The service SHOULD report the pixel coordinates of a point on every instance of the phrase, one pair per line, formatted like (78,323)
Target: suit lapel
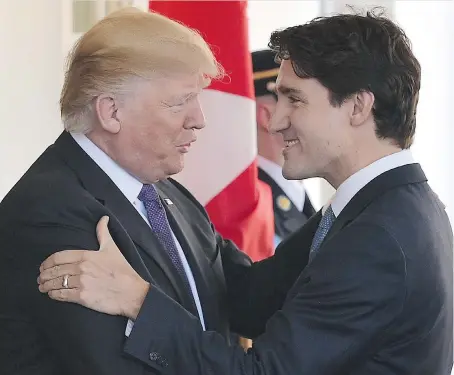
(144,238)
(105,191)
(195,257)
(404,175)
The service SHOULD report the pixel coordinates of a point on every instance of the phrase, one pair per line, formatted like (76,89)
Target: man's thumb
(106,243)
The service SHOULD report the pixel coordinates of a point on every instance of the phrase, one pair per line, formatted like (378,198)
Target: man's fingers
(102,232)
(65,295)
(59,271)
(64,257)
(106,242)
(58,284)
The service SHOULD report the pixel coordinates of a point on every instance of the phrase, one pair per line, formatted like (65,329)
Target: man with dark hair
(292,206)
(375,296)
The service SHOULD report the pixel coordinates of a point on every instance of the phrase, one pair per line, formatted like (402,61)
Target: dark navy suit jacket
(375,300)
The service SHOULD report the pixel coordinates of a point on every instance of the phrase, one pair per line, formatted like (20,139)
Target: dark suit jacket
(56,206)
(375,300)
(286,221)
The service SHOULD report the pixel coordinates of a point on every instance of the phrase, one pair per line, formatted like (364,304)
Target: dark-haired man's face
(316,133)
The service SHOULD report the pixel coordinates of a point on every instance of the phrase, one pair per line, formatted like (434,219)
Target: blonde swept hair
(129,44)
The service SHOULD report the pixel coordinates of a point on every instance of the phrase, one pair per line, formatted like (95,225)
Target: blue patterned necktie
(161,228)
(322,230)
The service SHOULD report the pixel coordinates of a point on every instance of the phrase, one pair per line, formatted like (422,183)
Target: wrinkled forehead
(181,83)
(170,87)
(160,88)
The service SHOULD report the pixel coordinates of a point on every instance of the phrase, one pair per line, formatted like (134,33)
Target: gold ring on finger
(65,281)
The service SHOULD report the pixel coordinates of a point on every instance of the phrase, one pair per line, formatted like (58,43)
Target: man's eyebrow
(285,90)
(290,91)
(184,97)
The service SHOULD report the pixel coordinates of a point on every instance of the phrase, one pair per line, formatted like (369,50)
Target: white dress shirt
(293,189)
(352,185)
(131,187)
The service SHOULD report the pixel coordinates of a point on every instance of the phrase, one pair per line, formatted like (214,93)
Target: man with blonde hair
(130,106)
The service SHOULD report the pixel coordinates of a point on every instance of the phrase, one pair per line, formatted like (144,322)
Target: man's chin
(176,167)
(290,173)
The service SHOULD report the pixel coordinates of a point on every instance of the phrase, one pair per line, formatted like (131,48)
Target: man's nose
(197,116)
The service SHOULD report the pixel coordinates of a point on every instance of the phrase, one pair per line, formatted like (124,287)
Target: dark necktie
(161,228)
(322,230)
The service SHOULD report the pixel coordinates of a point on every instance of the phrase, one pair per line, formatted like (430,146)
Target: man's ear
(363,103)
(263,115)
(106,111)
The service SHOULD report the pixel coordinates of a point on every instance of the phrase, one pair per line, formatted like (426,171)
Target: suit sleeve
(83,341)
(333,318)
(257,290)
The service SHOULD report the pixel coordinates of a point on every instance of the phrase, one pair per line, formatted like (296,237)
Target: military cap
(265,71)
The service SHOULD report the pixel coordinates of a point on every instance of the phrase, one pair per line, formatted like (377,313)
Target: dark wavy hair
(350,53)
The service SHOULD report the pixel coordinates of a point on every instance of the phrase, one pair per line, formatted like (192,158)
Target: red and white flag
(221,167)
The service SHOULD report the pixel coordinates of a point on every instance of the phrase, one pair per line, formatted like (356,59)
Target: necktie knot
(149,196)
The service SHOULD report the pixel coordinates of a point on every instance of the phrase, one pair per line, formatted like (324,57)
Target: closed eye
(174,105)
(187,99)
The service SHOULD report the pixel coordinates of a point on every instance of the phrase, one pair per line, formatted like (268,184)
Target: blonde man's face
(158,124)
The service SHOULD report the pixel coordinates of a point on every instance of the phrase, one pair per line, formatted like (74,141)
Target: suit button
(161,362)
(154,356)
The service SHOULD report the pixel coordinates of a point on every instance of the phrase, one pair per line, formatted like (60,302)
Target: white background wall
(429,26)
(30,80)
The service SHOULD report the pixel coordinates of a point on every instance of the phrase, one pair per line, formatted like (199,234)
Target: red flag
(221,168)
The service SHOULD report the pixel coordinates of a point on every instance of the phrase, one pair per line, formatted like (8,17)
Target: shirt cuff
(129,327)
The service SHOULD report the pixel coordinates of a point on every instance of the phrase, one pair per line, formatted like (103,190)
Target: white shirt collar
(292,188)
(352,185)
(128,185)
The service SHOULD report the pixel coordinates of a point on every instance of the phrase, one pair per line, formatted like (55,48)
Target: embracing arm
(257,290)
(330,321)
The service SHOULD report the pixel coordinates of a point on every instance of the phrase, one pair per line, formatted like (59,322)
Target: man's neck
(354,162)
